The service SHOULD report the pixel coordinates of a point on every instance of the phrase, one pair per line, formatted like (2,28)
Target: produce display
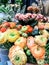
(27,40)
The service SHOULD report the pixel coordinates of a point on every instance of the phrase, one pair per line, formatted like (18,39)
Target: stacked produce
(29,42)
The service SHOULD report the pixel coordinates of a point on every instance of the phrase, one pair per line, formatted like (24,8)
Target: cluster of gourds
(35,38)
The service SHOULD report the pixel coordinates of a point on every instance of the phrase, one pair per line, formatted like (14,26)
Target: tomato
(3,29)
(30,42)
(38,51)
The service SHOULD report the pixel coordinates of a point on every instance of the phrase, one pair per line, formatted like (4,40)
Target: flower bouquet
(31,19)
(26,43)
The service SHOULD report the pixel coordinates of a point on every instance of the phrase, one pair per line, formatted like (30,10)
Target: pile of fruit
(29,43)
